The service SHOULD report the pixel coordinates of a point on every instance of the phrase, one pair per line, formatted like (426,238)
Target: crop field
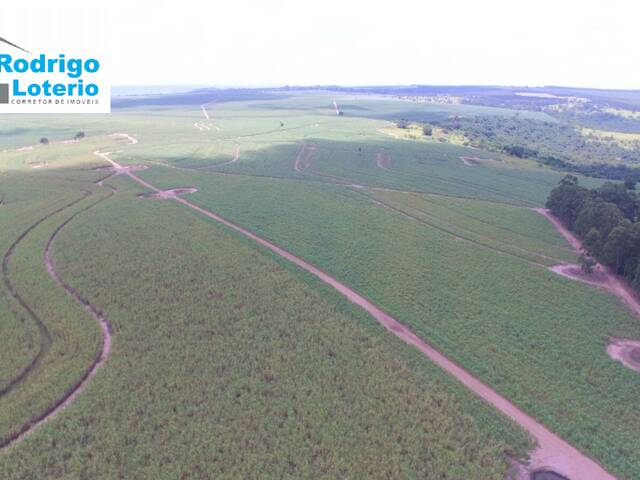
(48,342)
(227,360)
(477,290)
(269,135)
(240,365)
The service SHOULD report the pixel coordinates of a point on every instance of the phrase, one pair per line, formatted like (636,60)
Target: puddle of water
(547,475)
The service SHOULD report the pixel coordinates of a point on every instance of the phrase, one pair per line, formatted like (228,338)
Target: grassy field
(213,338)
(242,366)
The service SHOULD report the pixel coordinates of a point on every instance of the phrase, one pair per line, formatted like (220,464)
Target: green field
(228,361)
(537,338)
(241,364)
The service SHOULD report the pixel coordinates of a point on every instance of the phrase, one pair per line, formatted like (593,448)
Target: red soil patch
(626,352)
(121,169)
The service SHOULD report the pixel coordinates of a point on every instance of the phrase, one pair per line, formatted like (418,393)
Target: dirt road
(552,453)
(204,112)
(602,277)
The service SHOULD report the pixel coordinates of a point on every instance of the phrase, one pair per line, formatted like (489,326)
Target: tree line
(606,219)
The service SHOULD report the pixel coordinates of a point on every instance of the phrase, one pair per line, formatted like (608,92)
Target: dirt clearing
(626,352)
(172,193)
(471,161)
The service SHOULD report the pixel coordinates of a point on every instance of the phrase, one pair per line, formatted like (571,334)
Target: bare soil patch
(122,169)
(172,193)
(573,271)
(626,352)
(471,161)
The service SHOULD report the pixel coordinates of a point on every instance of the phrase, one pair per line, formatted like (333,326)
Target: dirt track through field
(303,158)
(552,453)
(236,157)
(383,160)
(71,394)
(602,277)
(43,331)
(204,112)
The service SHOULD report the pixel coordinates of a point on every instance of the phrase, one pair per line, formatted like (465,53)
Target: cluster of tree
(606,219)
(560,146)
(427,130)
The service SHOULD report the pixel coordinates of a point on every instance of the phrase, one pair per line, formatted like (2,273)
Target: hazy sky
(592,43)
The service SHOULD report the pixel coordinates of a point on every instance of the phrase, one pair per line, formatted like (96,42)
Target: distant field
(343,150)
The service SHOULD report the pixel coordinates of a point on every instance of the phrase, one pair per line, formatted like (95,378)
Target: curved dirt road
(552,453)
(603,277)
(98,361)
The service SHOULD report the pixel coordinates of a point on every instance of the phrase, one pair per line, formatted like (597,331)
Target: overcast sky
(591,43)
